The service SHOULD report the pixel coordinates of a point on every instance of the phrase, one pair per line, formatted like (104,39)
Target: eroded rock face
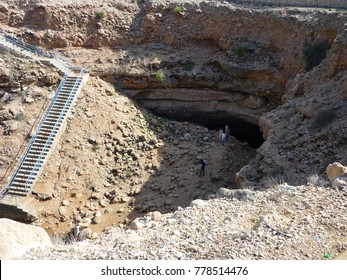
(308,131)
(218,60)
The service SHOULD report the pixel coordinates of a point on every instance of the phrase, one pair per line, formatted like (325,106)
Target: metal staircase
(45,137)
(50,126)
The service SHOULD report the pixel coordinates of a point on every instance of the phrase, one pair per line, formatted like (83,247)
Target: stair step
(40,144)
(24,181)
(53,119)
(19,184)
(42,147)
(16,193)
(25,173)
(56,112)
(42,140)
(29,159)
(25,169)
(45,133)
(66,92)
(19,188)
(38,153)
(50,127)
(58,108)
(61,102)
(58,104)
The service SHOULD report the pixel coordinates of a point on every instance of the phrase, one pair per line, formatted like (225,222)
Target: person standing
(202,169)
(222,136)
(227,133)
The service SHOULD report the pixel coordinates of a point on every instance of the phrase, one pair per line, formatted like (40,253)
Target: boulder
(335,169)
(276,221)
(85,233)
(17,238)
(136,225)
(239,194)
(340,183)
(155,216)
(198,203)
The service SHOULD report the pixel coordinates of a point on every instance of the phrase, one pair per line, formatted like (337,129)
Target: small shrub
(100,15)
(323,118)
(95,147)
(68,127)
(128,173)
(159,75)
(314,53)
(57,239)
(239,50)
(178,10)
(19,117)
(90,185)
(154,55)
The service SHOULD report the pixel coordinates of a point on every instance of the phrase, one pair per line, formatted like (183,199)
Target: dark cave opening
(242,130)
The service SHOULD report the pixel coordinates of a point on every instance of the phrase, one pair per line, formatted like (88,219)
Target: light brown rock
(334,170)
(17,238)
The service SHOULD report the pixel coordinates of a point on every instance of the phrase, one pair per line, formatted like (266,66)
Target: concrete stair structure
(15,199)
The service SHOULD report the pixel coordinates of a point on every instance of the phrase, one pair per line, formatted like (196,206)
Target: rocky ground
(117,162)
(283,222)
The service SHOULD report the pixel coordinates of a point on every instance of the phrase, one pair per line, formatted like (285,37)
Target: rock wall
(299,3)
(308,131)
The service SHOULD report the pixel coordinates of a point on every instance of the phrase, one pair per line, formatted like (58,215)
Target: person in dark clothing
(202,169)
(227,133)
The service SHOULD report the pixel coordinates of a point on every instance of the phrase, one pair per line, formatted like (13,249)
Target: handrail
(35,135)
(16,42)
(54,55)
(48,141)
(61,60)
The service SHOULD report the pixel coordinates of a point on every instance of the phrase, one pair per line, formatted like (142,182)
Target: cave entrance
(242,130)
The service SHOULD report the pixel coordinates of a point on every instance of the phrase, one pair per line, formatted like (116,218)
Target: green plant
(239,50)
(129,173)
(95,147)
(90,184)
(314,53)
(100,15)
(323,118)
(154,55)
(68,127)
(159,75)
(178,10)
(19,117)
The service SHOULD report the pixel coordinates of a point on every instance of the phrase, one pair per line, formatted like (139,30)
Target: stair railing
(54,129)
(34,137)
